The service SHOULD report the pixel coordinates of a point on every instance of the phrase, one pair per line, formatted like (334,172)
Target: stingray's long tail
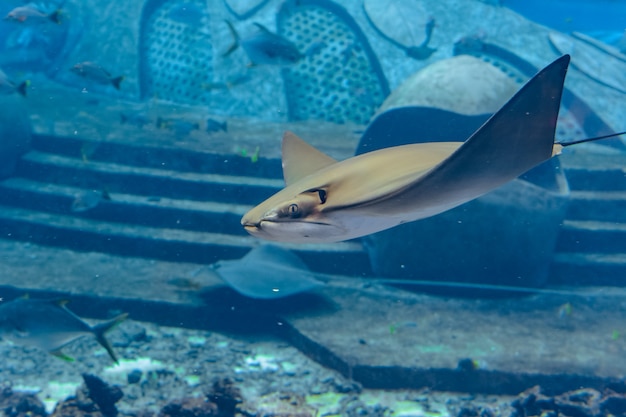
(576,142)
(558,146)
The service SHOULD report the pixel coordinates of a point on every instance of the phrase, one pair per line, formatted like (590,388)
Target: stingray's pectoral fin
(515,139)
(267,272)
(301,159)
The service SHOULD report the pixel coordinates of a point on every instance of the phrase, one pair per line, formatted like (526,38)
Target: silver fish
(89,199)
(213,126)
(265,47)
(49,325)
(9,87)
(95,73)
(30,14)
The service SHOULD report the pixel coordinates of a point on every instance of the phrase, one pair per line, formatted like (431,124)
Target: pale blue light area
(604,18)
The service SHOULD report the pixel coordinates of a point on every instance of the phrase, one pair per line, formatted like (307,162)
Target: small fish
(187,13)
(265,47)
(31,14)
(50,325)
(88,200)
(96,74)
(135,119)
(9,87)
(423,51)
(179,126)
(213,126)
(468,365)
(419,52)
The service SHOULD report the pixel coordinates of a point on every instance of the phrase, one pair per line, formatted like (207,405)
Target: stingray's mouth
(252,227)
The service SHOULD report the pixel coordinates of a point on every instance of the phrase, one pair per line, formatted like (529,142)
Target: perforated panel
(339,78)
(176,53)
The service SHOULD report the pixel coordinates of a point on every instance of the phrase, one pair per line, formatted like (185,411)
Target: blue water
(603,19)
(134,136)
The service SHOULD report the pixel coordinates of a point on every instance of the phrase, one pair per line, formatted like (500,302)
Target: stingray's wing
(267,272)
(515,139)
(274,255)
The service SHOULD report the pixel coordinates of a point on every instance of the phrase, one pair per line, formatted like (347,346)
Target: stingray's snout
(252,220)
(250,225)
(246,223)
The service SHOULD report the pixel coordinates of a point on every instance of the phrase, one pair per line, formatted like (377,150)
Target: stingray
(329,201)
(267,272)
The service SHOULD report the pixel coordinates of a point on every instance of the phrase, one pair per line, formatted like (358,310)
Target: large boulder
(462,84)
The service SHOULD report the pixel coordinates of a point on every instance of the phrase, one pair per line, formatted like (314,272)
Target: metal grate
(176,54)
(339,79)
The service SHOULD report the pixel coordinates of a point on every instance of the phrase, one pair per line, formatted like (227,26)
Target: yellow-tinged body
(328,201)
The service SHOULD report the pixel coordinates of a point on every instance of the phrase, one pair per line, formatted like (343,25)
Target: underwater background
(135,135)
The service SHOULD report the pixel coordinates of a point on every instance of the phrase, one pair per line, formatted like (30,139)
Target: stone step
(394,339)
(147,182)
(219,218)
(161,212)
(596,178)
(168,156)
(87,235)
(584,236)
(606,206)
(585,169)
(596,269)
(181,190)
(595,168)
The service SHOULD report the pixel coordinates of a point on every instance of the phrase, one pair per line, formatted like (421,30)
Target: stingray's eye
(293,209)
